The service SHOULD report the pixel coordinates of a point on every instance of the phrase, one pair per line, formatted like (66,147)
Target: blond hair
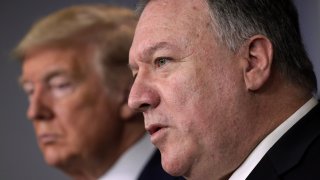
(110,29)
(76,24)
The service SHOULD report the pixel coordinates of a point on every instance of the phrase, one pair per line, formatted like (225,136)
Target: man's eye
(60,87)
(161,61)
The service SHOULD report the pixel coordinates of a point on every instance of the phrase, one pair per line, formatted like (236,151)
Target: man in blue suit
(226,89)
(75,74)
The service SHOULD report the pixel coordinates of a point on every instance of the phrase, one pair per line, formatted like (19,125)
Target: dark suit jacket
(153,170)
(296,156)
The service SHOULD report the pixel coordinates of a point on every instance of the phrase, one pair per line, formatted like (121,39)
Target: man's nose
(39,106)
(143,96)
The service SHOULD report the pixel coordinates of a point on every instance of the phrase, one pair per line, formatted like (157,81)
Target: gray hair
(235,21)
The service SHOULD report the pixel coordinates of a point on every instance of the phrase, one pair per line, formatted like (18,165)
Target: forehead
(175,11)
(177,21)
(41,62)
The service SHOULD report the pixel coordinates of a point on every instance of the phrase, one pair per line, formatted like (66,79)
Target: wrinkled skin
(190,89)
(76,119)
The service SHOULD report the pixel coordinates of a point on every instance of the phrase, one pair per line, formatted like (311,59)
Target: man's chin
(172,167)
(54,158)
(53,161)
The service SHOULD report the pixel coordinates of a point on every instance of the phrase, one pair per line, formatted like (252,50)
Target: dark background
(20,157)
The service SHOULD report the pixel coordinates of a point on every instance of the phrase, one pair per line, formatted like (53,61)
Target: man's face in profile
(73,114)
(188,87)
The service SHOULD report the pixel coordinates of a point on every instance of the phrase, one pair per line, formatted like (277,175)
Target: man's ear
(258,54)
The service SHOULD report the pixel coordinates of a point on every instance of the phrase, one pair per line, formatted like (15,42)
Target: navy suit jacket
(296,156)
(154,171)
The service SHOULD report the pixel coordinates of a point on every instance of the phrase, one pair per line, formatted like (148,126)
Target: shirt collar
(257,154)
(131,163)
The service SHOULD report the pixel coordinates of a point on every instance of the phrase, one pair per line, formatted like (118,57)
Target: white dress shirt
(131,163)
(257,154)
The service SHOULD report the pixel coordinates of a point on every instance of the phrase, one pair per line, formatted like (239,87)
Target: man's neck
(88,169)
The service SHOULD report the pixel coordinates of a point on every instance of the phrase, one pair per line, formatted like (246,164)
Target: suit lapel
(290,148)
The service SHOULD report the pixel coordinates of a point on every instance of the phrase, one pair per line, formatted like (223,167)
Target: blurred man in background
(75,74)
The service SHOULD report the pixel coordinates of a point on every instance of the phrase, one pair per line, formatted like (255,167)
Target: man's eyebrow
(46,78)
(158,46)
(53,74)
(150,50)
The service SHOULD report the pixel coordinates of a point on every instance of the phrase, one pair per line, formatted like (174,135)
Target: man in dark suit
(296,155)
(226,89)
(75,74)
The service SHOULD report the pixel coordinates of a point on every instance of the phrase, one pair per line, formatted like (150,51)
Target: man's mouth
(152,129)
(47,138)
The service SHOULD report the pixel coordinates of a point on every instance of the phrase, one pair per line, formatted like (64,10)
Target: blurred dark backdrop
(20,157)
